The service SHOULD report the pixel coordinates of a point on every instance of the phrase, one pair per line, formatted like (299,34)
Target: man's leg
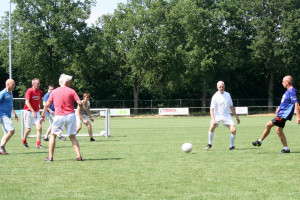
(266,132)
(6,137)
(51,145)
(38,134)
(75,145)
(282,137)
(232,136)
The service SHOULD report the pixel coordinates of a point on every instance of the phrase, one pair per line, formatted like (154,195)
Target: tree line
(156,49)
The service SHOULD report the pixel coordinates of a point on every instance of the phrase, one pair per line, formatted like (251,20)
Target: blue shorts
(6,124)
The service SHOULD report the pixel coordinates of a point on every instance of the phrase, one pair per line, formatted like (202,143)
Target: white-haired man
(63,99)
(33,102)
(220,107)
(6,108)
(285,111)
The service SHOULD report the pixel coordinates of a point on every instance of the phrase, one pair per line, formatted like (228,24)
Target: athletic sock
(260,141)
(38,143)
(285,148)
(210,137)
(24,141)
(232,138)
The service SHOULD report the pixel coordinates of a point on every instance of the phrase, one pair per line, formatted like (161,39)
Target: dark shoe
(25,145)
(62,138)
(3,151)
(285,151)
(48,159)
(208,146)
(92,140)
(78,159)
(232,148)
(40,147)
(46,139)
(256,143)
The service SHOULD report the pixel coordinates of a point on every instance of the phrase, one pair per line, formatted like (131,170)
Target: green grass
(143,160)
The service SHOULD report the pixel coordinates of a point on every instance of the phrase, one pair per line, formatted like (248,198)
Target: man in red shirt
(63,99)
(33,102)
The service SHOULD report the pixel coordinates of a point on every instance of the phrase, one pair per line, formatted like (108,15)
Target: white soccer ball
(187,147)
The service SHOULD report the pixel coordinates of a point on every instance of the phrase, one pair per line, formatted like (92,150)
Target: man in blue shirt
(6,108)
(289,103)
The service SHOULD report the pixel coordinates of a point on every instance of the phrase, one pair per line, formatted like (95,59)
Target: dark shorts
(278,121)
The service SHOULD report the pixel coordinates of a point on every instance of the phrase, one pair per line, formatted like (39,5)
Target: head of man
(221,87)
(36,83)
(287,81)
(10,85)
(50,88)
(65,80)
(86,96)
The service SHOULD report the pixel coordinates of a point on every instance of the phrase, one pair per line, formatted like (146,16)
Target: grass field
(143,160)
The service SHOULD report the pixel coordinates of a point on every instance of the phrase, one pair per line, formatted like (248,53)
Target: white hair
(64,78)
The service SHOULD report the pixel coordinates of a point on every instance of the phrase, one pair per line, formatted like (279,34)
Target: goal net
(100,126)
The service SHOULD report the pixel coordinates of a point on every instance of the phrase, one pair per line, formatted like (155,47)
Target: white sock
(285,148)
(232,138)
(210,137)
(260,141)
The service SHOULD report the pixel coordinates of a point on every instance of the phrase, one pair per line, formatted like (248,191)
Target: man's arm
(232,108)
(297,112)
(46,106)
(16,116)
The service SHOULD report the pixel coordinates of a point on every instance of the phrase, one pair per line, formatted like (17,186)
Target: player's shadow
(99,159)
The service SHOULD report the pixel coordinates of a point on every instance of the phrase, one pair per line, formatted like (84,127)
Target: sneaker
(40,147)
(46,139)
(2,151)
(92,140)
(78,159)
(256,143)
(48,159)
(232,148)
(62,138)
(285,151)
(25,145)
(208,146)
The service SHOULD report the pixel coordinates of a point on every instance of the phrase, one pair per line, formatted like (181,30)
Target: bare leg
(51,145)
(26,133)
(38,132)
(78,127)
(267,130)
(6,137)
(282,137)
(89,126)
(75,145)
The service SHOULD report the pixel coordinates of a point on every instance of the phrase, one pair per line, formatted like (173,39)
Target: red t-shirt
(34,97)
(63,99)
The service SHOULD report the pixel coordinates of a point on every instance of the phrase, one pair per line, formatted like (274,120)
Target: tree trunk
(271,91)
(136,90)
(203,104)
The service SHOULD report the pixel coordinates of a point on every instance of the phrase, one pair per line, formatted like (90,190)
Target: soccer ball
(187,147)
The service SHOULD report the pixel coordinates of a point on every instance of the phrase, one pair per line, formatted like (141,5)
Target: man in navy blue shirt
(50,114)
(289,103)
(6,108)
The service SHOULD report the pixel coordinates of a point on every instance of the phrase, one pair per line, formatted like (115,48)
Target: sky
(102,7)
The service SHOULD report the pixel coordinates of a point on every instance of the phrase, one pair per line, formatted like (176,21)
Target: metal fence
(255,106)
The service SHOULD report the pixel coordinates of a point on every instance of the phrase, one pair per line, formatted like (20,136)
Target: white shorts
(50,118)
(226,120)
(6,124)
(78,120)
(61,121)
(29,120)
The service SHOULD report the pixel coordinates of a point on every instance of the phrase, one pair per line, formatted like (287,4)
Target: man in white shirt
(220,107)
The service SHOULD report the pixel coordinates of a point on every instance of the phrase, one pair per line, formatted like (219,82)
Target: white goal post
(100,126)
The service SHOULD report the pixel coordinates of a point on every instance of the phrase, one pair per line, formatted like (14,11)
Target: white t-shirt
(85,108)
(221,103)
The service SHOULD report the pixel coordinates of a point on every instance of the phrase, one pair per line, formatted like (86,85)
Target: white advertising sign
(173,111)
(117,112)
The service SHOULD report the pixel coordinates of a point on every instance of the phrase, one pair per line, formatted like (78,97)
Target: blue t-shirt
(287,106)
(6,103)
(45,98)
